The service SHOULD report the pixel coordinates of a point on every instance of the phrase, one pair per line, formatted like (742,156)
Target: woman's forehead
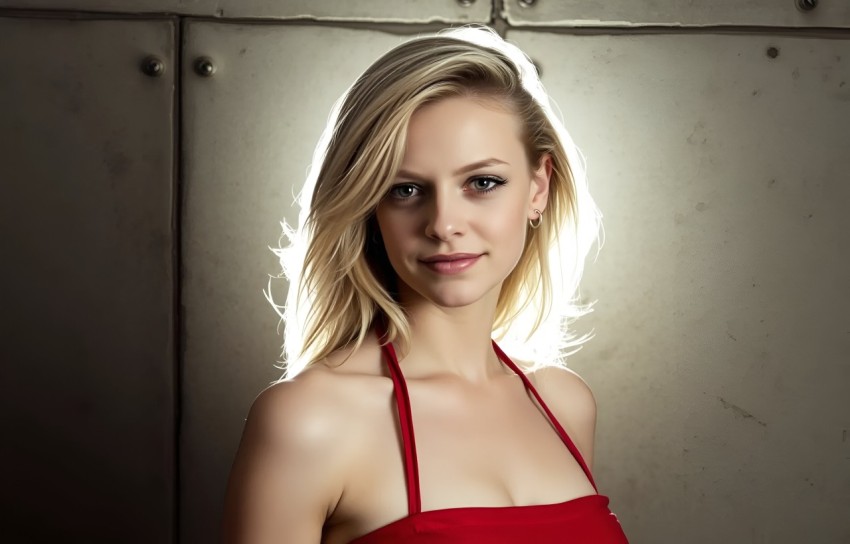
(457,131)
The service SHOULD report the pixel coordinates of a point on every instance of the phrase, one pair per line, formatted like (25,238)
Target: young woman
(447,206)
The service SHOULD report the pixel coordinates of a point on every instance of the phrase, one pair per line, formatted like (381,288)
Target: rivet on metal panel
(807,5)
(466,3)
(527,3)
(772,52)
(204,66)
(153,66)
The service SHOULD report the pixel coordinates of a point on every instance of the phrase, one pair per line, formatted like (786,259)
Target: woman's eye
(404,191)
(485,184)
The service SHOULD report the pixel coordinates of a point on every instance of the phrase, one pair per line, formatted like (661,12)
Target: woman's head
(340,275)
(454,222)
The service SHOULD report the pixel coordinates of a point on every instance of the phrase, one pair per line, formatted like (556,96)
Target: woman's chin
(458,298)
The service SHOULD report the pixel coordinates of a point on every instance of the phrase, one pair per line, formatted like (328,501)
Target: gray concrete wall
(138,209)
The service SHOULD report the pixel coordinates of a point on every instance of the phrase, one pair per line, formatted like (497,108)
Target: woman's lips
(451,264)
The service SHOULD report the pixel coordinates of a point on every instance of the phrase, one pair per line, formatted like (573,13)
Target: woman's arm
(287,475)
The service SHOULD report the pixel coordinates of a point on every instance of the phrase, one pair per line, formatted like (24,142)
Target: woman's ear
(539,190)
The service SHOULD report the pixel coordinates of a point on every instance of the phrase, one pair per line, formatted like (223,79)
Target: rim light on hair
(340,278)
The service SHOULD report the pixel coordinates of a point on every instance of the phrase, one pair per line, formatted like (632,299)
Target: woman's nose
(445,216)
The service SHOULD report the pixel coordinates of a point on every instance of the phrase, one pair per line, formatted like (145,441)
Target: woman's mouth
(454,263)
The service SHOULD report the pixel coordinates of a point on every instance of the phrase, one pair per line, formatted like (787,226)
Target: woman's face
(455,218)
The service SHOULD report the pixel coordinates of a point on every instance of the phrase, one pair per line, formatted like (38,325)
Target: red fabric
(585,520)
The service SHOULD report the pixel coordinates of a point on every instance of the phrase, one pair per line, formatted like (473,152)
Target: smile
(451,264)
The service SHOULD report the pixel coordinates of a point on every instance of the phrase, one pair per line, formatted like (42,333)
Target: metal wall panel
(627,13)
(88,358)
(408,11)
(250,130)
(720,363)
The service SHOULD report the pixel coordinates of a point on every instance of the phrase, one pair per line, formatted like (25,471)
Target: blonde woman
(447,207)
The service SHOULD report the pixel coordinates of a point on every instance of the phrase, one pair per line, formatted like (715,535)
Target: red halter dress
(585,520)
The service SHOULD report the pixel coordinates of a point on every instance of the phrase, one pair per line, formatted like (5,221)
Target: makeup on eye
(407,190)
(494,180)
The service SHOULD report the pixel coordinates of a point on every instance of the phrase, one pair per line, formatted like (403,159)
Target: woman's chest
(496,450)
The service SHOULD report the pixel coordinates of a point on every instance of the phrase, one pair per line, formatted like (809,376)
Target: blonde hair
(340,278)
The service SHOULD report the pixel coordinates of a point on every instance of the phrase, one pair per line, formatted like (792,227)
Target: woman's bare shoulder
(564,385)
(572,401)
(296,455)
(301,422)
(317,405)
(289,409)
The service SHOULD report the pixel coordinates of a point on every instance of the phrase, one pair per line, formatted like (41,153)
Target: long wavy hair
(340,279)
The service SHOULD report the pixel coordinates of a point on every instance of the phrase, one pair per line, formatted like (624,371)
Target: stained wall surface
(88,358)
(715,138)
(721,357)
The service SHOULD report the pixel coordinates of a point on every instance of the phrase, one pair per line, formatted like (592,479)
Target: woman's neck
(452,342)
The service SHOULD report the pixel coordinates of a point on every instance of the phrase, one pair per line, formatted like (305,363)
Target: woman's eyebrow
(462,170)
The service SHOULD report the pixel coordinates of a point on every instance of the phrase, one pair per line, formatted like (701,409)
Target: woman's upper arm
(286,475)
